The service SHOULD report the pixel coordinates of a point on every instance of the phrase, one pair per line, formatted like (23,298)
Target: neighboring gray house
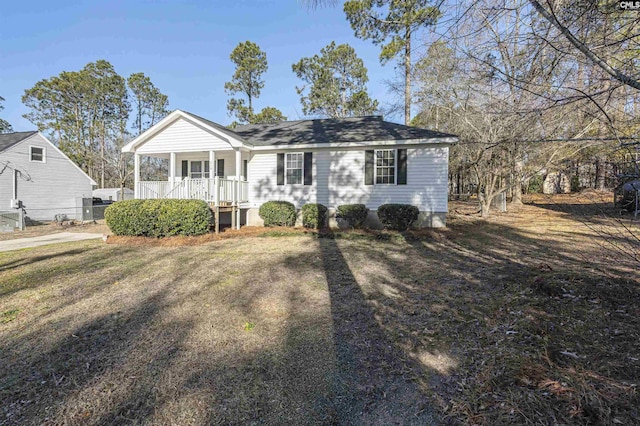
(113,194)
(330,161)
(37,177)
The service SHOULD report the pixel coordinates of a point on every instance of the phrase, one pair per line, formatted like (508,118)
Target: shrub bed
(354,214)
(397,216)
(314,216)
(159,218)
(278,213)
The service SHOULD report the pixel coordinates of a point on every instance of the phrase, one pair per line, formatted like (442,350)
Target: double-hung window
(385,166)
(199,170)
(294,163)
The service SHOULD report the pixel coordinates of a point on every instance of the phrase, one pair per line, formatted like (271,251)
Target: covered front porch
(202,160)
(215,176)
(216,190)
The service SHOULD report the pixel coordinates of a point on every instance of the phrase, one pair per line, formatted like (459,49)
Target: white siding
(338,178)
(182,136)
(45,189)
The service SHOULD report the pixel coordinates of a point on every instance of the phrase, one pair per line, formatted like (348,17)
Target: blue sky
(183,45)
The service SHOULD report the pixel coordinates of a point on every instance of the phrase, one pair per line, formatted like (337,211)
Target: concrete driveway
(43,240)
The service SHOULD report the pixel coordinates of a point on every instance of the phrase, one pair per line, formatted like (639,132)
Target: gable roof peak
(7,140)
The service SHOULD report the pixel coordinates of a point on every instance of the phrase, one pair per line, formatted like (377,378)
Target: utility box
(84,209)
(500,202)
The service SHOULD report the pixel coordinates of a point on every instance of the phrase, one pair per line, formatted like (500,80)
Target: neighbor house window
(385,166)
(36,154)
(293,170)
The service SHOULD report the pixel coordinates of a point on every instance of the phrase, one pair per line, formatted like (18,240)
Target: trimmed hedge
(159,218)
(397,216)
(354,214)
(278,213)
(314,216)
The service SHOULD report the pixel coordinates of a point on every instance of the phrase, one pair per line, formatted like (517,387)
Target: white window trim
(286,179)
(375,166)
(44,154)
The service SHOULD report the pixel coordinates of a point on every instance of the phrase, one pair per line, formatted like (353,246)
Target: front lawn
(529,317)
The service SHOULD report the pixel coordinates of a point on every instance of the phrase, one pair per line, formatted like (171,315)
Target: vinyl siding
(338,178)
(45,189)
(182,136)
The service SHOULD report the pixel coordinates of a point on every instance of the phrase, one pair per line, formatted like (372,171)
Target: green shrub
(535,184)
(159,218)
(397,216)
(314,216)
(354,214)
(278,213)
(575,183)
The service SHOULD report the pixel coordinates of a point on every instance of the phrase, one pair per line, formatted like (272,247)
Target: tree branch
(584,49)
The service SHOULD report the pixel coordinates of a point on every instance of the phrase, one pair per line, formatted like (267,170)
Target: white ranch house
(329,161)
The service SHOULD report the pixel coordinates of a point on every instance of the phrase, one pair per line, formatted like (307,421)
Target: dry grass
(53,228)
(519,319)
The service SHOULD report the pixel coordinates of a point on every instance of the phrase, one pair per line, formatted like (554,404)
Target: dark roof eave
(7,140)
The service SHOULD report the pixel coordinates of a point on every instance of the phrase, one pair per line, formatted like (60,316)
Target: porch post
(237,183)
(212,165)
(172,167)
(136,176)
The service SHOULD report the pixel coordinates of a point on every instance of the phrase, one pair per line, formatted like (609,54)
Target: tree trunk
(485,206)
(600,174)
(516,199)
(102,165)
(407,78)
(516,188)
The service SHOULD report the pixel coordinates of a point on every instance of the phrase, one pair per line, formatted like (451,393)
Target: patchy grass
(9,315)
(529,317)
(54,228)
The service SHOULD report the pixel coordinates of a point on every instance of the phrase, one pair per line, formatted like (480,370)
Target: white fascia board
(165,122)
(93,182)
(364,144)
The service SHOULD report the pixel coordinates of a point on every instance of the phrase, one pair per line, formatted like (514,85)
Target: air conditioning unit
(15,204)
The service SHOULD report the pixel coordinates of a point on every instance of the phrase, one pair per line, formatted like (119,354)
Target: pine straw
(557,339)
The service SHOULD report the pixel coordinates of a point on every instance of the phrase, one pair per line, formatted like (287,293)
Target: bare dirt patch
(519,319)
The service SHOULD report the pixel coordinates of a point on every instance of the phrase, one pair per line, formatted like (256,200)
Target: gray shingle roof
(354,129)
(7,140)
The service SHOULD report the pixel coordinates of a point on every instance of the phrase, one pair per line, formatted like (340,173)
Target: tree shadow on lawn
(374,381)
(78,362)
(369,354)
(27,260)
(139,362)
(94,256)
(490,286)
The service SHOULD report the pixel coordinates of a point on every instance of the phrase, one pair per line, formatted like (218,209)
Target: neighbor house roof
(333,130)
(7,140)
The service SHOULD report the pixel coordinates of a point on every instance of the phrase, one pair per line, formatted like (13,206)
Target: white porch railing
(216,190)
